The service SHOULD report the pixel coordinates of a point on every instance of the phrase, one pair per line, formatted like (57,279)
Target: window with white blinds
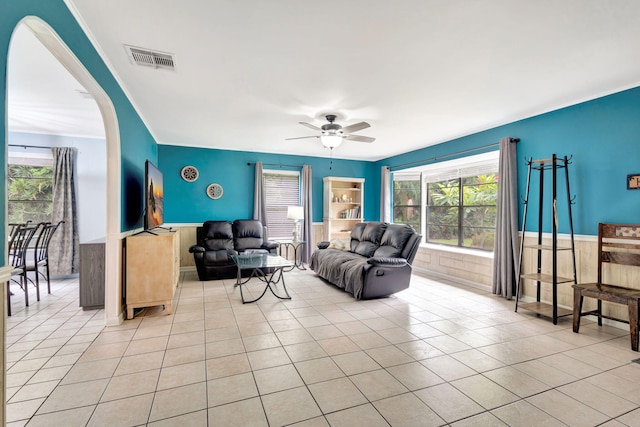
(282,189)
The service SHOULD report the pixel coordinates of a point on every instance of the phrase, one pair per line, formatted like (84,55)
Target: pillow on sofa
(217,235)
(394,240)
(370,239)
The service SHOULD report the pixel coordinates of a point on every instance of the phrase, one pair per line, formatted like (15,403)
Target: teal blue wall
(188,202)
(601,136)
(137,144)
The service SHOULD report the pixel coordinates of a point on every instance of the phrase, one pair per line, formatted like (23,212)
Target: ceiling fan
(332,134)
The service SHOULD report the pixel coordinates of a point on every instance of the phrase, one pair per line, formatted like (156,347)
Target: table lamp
(296,213)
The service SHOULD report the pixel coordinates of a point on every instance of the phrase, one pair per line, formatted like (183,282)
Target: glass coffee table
(269,268)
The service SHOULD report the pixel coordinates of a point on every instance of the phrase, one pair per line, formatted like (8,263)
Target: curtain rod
(516,140)
(275,164)
(28,146)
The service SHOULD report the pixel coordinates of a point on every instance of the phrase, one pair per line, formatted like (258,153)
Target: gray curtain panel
(259,201)
(385,194)
(64,246)
(505,250)
(307,235)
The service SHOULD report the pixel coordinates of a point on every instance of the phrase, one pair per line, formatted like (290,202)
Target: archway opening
(53,43)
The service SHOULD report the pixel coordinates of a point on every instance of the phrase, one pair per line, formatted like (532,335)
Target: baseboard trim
(438,275)
(115,321)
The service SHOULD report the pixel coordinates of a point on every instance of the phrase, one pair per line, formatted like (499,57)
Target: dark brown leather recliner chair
(217,241)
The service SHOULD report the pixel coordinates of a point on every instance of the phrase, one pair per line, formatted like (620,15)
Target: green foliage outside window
(30,191)
(464,218)
(406,201)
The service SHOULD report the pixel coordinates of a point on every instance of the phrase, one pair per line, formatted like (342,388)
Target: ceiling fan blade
(301,137)
(359,138)
(355,127)
(310,126)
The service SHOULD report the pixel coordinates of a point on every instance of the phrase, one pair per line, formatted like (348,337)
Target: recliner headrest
(217,235)
(394,240)
(217,229)
(247,228)
(247,234)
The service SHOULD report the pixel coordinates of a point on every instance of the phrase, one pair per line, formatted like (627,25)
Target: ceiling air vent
(150,58)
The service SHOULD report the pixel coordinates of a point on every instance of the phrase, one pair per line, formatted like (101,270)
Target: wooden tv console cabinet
(152,269)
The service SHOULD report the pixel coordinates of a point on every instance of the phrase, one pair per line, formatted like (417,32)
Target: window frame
(417,204)
(31,160)
(457,169)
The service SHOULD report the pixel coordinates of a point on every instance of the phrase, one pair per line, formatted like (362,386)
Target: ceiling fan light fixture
(331,140)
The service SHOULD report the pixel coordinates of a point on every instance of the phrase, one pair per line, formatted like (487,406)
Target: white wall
(91,172)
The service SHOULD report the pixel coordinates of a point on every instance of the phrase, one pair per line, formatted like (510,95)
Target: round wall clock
(215,191)
(189,173)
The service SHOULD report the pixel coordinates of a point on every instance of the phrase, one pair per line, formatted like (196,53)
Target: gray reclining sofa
(376,264)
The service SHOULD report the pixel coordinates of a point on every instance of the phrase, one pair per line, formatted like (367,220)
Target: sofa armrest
(196,248)
(323,245)
(268,244)
(387,262)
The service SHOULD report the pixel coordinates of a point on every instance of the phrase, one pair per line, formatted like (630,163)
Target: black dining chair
(18,247)
(13,229)
(14,226)
(40,258)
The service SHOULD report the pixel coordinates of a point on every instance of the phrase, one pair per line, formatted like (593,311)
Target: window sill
(458,250)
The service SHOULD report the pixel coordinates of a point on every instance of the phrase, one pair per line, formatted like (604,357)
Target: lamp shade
(295,212)
(331,140)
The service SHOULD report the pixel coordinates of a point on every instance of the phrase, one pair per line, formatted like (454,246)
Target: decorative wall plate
(215,191)
(189,173)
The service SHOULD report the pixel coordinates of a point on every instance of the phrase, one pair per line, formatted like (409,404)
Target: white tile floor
(436,354)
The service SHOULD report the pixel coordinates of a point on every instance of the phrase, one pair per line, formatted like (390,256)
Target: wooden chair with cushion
(619,245)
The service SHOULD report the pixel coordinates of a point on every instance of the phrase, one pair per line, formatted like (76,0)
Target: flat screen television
(154,196)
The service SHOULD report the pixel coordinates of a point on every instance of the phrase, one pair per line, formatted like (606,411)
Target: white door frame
(113,309)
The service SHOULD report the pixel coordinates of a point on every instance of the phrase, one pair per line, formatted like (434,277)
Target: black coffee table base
(269,279)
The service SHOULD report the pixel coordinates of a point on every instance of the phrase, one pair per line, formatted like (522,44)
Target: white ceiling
(419,71)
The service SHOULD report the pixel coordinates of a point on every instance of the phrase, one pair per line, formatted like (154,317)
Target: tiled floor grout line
(447,382)
(348,377)
(299,374)
(344,307)
(204,332)
(176,306)
(57,312)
